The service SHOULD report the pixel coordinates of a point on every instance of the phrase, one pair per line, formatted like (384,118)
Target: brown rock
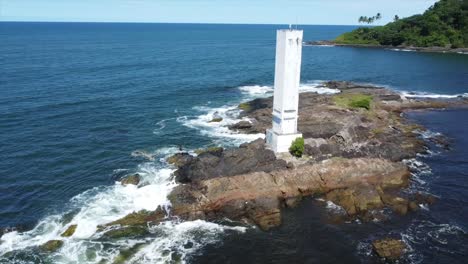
(256,196)
(180,159)
(388,248)
(132,179)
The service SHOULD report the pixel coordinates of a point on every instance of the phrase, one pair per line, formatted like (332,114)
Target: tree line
(444,24)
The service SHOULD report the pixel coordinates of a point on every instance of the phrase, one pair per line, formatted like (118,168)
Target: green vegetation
(212,150)
(445,24)
(131,231)
(245,106)
(297,147)
(216,120)
(353,100)
(52,245)
(369,20)
(70,231)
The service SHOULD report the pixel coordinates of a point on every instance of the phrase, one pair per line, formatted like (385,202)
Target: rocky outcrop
(258,197)
(70,231)
(249,157)
(388,248)
(353,159)
(131,179)
(332,129)
(52,245)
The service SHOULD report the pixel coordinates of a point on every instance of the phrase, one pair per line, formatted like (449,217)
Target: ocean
(84,104)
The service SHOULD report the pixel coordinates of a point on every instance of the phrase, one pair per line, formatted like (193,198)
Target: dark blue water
(77,99)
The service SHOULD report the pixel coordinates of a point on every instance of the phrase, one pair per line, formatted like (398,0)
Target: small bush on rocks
(297,147)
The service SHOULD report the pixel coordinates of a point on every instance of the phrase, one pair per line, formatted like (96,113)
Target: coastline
(250,185)
(389,47)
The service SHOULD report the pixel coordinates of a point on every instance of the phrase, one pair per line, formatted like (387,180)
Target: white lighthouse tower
(286,95)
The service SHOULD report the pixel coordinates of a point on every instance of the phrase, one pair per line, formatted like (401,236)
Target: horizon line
(196,23)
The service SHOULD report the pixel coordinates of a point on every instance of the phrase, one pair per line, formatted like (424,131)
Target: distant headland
(441,28)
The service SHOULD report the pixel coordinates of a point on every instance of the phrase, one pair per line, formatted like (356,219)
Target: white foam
(97,206)
(432,95)
(219,130)
(255,91)
(405,50)
(177,236)
(335,208)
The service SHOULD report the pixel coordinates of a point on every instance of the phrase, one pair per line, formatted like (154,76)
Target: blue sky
(330,12)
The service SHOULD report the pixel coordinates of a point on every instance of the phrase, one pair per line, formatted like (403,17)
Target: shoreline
(396,48)
(354,158)
(252,186)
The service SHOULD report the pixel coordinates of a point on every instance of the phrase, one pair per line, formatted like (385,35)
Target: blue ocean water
(78,99)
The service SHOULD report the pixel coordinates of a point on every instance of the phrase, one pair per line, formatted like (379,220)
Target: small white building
(286,94)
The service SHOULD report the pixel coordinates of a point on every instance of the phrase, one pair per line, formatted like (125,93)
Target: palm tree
(396,18)
(378,16)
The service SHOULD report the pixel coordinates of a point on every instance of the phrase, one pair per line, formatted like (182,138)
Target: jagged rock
(389,248)
(131,179)
(424,198)
(215,151)
(69,232)
(52,245)
(241,125)
(248,158)
(142,218)
(180,159)
(257,196)
(398,204)
(127,232)
(377,133)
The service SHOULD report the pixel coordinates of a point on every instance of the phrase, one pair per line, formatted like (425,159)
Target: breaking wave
(432,95)
(255,91)
(169,241)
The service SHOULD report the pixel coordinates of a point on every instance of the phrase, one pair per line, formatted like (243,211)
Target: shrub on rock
(297,147)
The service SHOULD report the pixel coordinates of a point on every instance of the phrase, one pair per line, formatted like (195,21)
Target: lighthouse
(286,91)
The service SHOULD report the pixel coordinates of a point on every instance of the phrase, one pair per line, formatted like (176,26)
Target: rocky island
(356,142)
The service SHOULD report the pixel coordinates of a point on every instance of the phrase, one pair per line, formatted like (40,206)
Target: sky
(311,12)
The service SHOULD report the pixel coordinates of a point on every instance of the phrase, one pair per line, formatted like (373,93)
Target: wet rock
(292,202)
(215,151)
(70,231)
(126,254)
(265,212)
(389,248)
(127,232)
(398,204)
(131,179)
(413,206)
(180,159)
(424,198)
(249,157)
(216,120)
(141,218)
(52,245)
(241,125)
(258,196)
